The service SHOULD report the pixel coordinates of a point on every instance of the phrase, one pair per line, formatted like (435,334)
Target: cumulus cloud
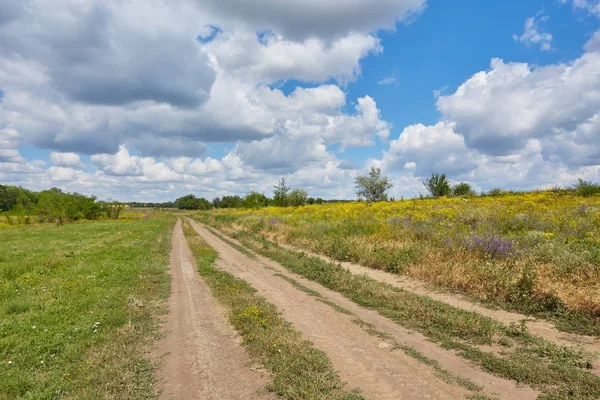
(593,44)
(316,18)
(68,160)
(423,149)
(499,110)
(532,33)
(89,55)
(271,57)
(166,80)
(9,143)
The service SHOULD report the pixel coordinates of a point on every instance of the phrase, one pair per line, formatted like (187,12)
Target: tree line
(53,205)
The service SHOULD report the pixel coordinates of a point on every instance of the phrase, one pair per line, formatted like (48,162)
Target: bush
(256,200)
(586,188)
(462,189)
(297,197)
(438,185)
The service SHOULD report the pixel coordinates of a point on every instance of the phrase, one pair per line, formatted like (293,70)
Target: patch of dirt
(363,360)
(201,358)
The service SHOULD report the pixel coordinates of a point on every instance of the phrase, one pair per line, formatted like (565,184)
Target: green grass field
(78,307)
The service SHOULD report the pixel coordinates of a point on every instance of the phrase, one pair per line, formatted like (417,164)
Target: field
(77,307)
(336,301)
(538,253)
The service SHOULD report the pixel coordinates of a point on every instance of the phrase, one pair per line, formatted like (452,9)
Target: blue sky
(210,100)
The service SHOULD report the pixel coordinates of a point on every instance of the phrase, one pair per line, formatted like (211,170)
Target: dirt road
(364,361)
(201,357)
(541,328)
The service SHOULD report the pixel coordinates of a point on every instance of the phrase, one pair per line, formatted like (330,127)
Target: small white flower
(10,362)
(33,327)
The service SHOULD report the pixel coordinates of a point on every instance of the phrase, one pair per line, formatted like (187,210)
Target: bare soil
(364,361)
(201,356)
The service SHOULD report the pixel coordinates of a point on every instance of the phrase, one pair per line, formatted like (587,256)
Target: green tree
(52,206)
(280,193)
(255,200)
(297,197)
(462,189)
(372,187)
(231,202)
(438,185)
(8,197)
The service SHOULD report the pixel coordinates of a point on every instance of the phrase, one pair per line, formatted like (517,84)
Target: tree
(255,200)
(297,197)
(462,189)
(231,202)
(191,202)
(280,193)
(372,187)
(438,185)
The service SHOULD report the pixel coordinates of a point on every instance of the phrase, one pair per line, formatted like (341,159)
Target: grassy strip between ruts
(559,372)
(77,308)
(408,350)
(299,370)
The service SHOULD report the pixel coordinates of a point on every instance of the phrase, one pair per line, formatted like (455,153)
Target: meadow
(538,253)
(78,307)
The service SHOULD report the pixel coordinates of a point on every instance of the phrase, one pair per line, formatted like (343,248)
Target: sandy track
(201,357)
(363,360)
(540,328)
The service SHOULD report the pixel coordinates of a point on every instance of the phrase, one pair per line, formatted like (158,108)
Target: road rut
(201,356)
(363,360)
(541,328)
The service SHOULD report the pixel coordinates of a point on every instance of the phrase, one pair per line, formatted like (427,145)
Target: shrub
(297,197)
(437,185)
(255,200)
(586,188)
(462,189)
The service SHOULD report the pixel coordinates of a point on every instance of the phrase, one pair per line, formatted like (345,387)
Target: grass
(298,370)
(78,307)
(559,372)
(536,253)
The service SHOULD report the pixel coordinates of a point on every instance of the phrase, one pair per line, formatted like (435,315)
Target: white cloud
(593,44)
(389,80)
(9,144)
(69,160)
(590,6)
(498,111)
(272,57)
(532,35)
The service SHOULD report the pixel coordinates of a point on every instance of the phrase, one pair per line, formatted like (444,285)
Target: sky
(141,100)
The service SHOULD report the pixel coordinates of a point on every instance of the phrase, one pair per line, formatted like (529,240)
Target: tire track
(363,360)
